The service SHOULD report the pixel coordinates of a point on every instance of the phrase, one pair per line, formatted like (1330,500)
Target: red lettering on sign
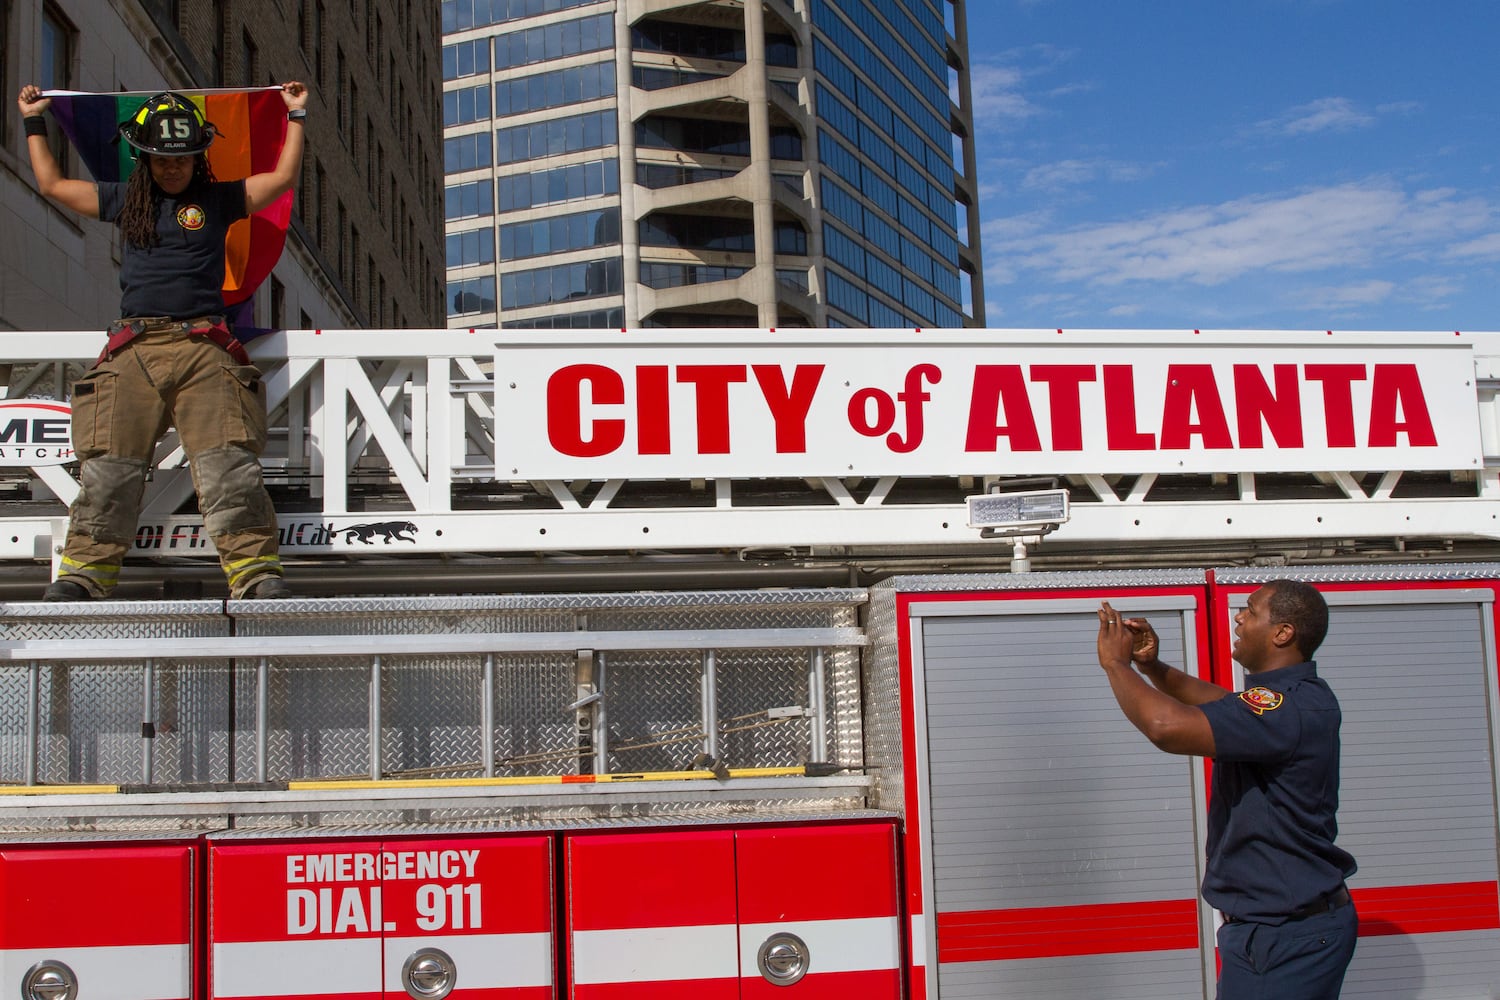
(1338,399)
(565,402)
(998,387)
(712,383)
(653,411)
(789,407)
(1065,409)
(1254,403)
(1397,388)
(1119,411)
(1192,388)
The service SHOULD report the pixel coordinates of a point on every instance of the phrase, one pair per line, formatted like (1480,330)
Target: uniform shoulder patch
(1262,700)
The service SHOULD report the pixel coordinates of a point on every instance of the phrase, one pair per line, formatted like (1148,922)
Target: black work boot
(66,590)
(273,587)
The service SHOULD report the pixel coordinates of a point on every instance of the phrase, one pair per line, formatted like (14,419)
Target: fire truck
(742,663)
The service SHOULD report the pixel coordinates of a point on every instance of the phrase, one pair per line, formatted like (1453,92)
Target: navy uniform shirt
(1271,814)
(183,275)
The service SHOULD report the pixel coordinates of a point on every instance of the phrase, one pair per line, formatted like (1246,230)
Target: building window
(561,283)
(249,60)
(319,16)
(476,246)
(552,89)
(555,41)
(342,95)
(59,43)
(471,295)
(559,234)
(278,304)
(560,184)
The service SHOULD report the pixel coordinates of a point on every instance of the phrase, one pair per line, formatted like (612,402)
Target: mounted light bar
(1029,512)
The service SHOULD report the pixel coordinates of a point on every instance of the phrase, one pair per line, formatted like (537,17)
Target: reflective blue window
(569,183)
(460,14)
(663,77)
(918,299)
(665,175)
(881,274)
(841,204)
(698,41)
(837,114)
(883,235)
(555,41)
(560,234)
(843,249)
(476,246)
(593,130)
(594,319)
(466,152)
(883,315)
(466,59)
(561,283)
(467,104)
(916,261)
(555,88)
(844,294)
(464,201)
(877,149)
(471,295)
(838,157)
(693,135)
(656,274)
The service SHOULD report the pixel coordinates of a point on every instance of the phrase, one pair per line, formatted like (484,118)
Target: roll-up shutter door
(1064,848)
(1414,674)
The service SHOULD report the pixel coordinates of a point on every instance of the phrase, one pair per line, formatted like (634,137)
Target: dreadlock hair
(143,198)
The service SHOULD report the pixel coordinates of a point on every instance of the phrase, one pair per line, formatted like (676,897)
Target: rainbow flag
(251,129)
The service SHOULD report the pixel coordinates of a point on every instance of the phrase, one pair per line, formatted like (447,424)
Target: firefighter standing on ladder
(1273,870)
(171,359)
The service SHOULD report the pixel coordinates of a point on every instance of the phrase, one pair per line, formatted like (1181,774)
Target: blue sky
(1276,164)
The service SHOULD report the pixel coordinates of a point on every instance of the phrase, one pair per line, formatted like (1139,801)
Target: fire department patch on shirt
(191,217)
(1261,700)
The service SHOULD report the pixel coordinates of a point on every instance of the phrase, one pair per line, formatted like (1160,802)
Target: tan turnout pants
(121,409)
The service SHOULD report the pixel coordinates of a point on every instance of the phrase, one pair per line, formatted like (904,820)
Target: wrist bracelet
(35,125)
(296,114)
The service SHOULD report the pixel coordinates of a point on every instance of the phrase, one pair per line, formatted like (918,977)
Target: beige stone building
(365,246)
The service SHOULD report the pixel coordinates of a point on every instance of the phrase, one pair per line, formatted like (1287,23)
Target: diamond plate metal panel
(882,689)
(534,733)
(750,683)
(654,710)
(1361,574)
(14,749)
(192,722)
(430,716)
(318,720)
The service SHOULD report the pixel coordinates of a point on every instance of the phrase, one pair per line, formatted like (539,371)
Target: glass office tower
(774,163)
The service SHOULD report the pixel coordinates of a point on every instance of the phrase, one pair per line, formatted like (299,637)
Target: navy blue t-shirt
(183,275)
(1271,814)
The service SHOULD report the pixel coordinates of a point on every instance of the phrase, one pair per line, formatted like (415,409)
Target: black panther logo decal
(391,531)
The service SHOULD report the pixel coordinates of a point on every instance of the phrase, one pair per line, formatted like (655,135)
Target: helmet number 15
(175,128)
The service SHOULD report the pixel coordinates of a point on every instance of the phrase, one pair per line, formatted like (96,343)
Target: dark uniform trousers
(167,376)
(1298,960)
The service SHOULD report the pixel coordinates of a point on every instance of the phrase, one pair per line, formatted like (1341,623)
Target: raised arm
(262,189)
(81,196)
(1169,722)
(1146,653)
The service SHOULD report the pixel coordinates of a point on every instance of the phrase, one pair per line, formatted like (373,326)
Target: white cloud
(1327,114)
(997,94)
(1332,298)
(1343,226)
(1485,246)
(1070,173)
(1123,311)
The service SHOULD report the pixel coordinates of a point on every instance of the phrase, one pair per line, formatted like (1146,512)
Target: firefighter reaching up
(171,359)
(1273,869)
